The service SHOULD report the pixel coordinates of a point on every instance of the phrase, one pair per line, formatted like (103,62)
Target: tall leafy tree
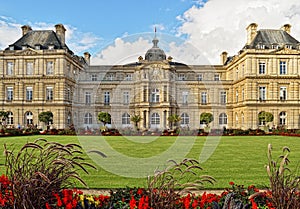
(104,117)
(206,118)
(174,119)
(136,119)
(46,117)
(265,117)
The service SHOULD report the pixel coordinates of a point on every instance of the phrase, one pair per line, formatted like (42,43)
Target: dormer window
(51,47)
(275,46)
(288,46)
(24,47)
(260,46)
(37,47)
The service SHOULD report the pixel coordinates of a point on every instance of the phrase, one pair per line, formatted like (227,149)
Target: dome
(155,53)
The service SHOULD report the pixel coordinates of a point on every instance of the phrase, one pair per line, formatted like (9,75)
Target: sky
(119,31)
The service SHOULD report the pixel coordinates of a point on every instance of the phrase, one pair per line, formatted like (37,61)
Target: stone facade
(263,76)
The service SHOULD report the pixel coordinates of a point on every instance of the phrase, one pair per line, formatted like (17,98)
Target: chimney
(60,32)
(286,28)
(223,57)
(25,29)
(251,32)
(87,57)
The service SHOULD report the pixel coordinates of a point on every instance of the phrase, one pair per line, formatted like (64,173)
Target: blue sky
(191,31)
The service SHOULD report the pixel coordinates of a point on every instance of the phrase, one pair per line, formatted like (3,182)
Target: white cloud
(220,25)
(122,51)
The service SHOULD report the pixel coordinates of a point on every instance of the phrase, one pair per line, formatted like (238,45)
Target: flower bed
(138,198)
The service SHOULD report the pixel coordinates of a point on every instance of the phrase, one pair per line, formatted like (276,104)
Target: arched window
(125,119)
(236,118)
(10,119)
(243,119)
(185,119)
(88,118)
(282,118)
(28,118)
(155,95)
(222,119)
(155,119)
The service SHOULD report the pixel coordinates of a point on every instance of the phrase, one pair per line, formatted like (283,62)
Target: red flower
(132,203)
(231,183)
(48,206)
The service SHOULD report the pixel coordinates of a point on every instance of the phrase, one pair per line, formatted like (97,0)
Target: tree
(104,117)
(3,115)
(265,117)
(206,118)
(174,119)
(46,117)
(136,119)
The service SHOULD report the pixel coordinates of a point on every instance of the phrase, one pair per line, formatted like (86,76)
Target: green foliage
(166,186)
(46,117)
(206,118)
(41,168)
(136,119)
(265,116)
(283,183)
(174,119)
(104,117)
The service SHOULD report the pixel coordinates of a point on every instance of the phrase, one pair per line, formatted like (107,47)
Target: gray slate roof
(269,37)
(44,38)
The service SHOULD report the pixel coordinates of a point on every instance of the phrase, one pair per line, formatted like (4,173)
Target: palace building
(40,73)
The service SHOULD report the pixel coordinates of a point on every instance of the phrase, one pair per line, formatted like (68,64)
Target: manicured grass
(240,159)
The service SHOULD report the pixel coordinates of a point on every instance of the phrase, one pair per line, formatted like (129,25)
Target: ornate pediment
(28,52)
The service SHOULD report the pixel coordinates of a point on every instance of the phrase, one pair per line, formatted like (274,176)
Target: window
(94,77)
(222,119)
(181,77)
(126,98)
(282,68)
(106,98)
(29,93)
(10,68)
(165,93)
(68,96)
(236,119)
(262,93)
(29,68)
(203,98)
(223,97)
(128,77)
(155,119)
(185,119)
(216,77)
(145,94)
(243,94)
(125,119)
(200,77)
(10,118)
(275,46)
(88,118)
(49,93)
(262,68)
(69,118)
(185,95)
(28,118)
(155,95)
(88,98)
(282,118)
(110,77)
(49,68)
(237,95)
(283,93)
(10,93)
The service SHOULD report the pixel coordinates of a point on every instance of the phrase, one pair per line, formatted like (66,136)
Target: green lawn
(240,159)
